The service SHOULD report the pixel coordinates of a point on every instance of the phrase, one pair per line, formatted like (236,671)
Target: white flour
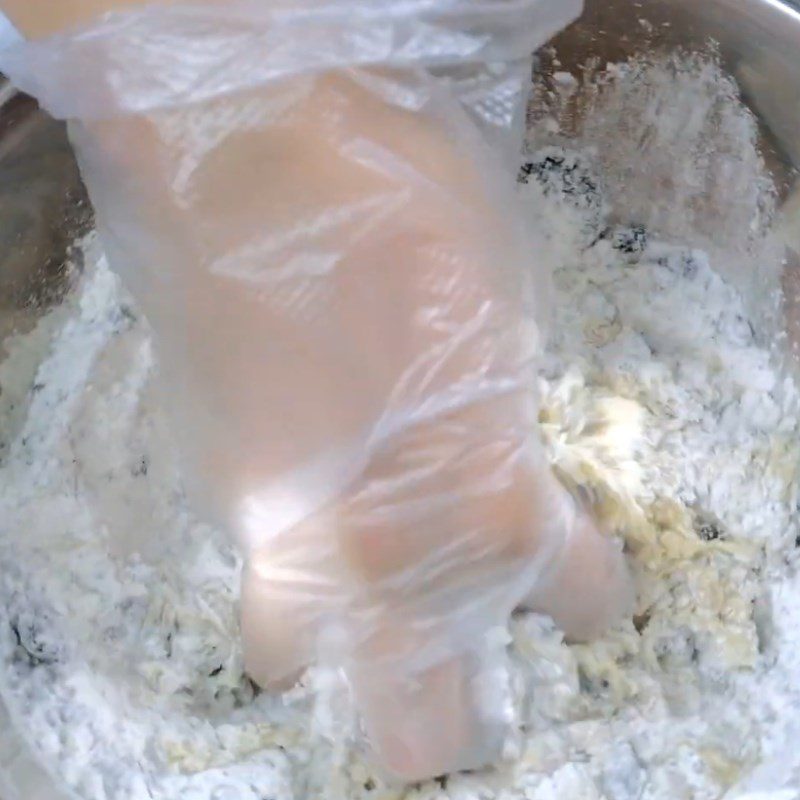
(659,404)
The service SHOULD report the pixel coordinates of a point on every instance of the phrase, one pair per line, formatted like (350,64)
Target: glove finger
(590,588)
(425,723)
(289,586)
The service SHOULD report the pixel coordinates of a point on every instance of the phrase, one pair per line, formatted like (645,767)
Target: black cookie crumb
(630,240)
(30,644)
(709,530)
(563,175)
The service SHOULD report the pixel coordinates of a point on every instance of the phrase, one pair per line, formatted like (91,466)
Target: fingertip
(591,588)
(276,645)
(417,727)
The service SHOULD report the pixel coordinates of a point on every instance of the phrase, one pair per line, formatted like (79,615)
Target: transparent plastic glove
(313,202)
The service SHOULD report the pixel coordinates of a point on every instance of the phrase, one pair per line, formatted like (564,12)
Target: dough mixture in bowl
(663,404)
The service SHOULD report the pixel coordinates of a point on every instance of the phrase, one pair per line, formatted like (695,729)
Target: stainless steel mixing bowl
(43,206)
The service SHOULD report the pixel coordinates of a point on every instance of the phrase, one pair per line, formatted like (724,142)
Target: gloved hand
(344,295)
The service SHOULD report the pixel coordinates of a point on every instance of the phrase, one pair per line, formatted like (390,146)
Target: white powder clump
(676,149)
(660,407)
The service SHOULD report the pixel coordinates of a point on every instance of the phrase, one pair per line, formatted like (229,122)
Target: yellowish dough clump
(597,441)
